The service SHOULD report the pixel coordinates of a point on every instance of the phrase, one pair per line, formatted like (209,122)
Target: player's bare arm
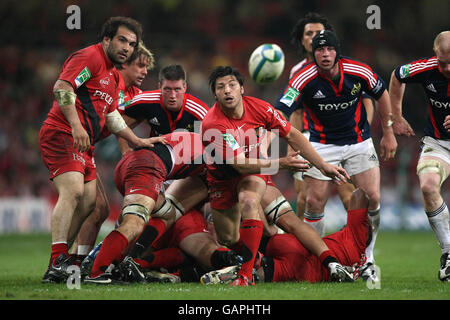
(253,166)
(298,142)
(396,92)
(388,143)
(124,147)
(65,96)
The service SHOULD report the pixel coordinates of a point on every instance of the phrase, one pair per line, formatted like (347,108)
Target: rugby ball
(266,63)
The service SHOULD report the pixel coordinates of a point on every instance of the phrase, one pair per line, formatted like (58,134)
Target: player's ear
(159,85)
(242,90)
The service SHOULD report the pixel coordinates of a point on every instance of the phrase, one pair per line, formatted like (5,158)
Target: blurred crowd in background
(199,35)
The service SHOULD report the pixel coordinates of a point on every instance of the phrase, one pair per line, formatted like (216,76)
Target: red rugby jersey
(94,80)
(230,137)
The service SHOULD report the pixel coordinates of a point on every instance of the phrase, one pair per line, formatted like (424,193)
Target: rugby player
(231,132)
(302,34)
(287,259)
(433,168)
(331,92)
(132,74)
(85,101)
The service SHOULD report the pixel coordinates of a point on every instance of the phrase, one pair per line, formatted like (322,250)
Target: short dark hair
(172,73)
(110,27)
(299,28)
(223,71)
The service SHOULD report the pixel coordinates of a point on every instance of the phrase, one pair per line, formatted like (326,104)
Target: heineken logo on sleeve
(82,77)
(289,97)
(404,71)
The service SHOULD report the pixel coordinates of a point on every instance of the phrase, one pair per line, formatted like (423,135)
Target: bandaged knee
(179,209)
(137,210)
(432,166)
(276,209)
(163,210)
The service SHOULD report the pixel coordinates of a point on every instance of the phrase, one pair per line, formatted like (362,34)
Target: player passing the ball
(231,135)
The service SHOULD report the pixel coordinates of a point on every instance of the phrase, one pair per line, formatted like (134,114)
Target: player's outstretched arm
(298,142)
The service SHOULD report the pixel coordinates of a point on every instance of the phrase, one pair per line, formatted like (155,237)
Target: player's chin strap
(277,208)
(432,166)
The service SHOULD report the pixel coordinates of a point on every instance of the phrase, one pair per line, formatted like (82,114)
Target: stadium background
(199,35)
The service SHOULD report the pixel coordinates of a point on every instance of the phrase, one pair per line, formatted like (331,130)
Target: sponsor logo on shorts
(78,157)
(373,157)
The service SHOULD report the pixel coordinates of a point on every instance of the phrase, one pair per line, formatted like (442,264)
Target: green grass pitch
(409,263)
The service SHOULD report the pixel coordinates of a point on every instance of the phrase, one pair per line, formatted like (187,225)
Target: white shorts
(354,158)
(432,147)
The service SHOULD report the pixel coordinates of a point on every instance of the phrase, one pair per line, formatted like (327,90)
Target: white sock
(439,222)
(316,221)
(374,219)
(83,250)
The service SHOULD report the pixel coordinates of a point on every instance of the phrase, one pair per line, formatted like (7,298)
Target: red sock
(111,251)
(250,235)
(164,258)
(57,249)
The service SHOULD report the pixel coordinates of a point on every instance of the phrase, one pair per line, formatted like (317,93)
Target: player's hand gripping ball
(266,63)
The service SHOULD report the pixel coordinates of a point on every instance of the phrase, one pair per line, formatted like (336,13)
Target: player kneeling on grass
(286,259)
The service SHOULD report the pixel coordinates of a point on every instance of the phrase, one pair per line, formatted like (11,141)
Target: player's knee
(227,240)
(136,210)
(314,204)
(358,200)
(433,170)
(430,186)
(249,203)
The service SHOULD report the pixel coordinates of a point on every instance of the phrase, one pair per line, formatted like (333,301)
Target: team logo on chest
(104,82)
(356,88)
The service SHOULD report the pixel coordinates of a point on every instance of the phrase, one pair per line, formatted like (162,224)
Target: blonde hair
(442,42)
(140,52)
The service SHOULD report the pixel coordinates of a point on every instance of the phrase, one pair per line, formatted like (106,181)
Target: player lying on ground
(286,259)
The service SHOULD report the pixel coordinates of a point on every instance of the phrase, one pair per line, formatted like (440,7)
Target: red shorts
(223,194)
(59,155)
(293,262)
(140,172)
(190,223)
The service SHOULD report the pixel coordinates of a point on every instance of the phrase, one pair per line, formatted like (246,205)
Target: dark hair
(299,28)
(110,27)
(172,73)
(222,71)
